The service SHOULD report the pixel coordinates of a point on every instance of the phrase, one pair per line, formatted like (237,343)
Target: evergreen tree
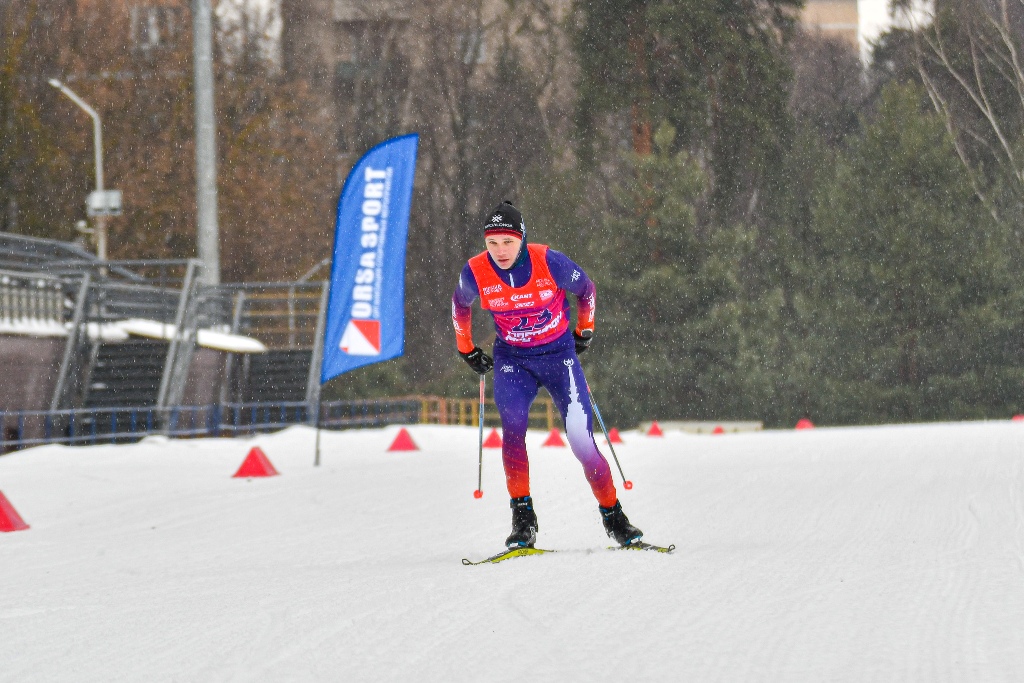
(669,332)
(915,307)
(827,97)
(716,70)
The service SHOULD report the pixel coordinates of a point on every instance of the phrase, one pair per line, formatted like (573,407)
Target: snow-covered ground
(869,554)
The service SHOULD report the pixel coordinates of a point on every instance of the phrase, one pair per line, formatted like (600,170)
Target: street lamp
(207,237)
(101,203)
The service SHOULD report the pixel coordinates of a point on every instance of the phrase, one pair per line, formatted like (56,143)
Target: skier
(523,286)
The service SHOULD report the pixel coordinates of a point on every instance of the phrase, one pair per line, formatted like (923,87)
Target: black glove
(478,360)
(583,340)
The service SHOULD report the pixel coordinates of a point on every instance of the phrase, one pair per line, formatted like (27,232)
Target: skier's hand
(583,340)
(478,360)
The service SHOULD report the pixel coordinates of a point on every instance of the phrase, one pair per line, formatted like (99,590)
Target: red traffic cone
(655,430)
(256,464)
(403,442)
(10,520)
(719,429)
(554,439)
(804,423)
(493,440)
(613,436)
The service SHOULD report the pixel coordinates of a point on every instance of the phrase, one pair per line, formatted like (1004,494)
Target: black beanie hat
(505,219)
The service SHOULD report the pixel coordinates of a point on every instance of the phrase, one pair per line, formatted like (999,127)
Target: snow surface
(120,330)
(32,326)
(860,554)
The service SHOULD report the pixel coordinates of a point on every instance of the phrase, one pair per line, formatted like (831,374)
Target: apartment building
(838,18)
(153,24)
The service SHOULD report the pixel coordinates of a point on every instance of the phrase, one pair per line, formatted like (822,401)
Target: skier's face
(503,249)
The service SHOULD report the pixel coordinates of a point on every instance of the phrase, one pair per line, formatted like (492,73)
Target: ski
(644,546)
(523,552)
(508,555)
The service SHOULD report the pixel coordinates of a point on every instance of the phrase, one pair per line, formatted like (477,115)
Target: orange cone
(256,464)
(655,430)
(719,429)
(613,436)
(10,520)
(804,423)
(554,439)
(493,440)
(403,442)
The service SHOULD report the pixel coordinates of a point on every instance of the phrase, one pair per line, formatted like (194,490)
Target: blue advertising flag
(365,320)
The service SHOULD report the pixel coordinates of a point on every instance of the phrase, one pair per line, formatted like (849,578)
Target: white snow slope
(867,554)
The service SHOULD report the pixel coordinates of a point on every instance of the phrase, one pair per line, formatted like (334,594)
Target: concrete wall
(205,375)
(28,375)
(28,371)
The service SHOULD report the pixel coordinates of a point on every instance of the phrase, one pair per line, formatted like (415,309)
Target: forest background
(776,229)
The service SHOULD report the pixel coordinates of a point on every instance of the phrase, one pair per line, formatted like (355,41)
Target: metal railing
(56,288)
(21,252)
(88,426)
(465,411)
(27,299)
(282,315)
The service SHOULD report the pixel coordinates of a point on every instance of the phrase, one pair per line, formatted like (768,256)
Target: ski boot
(524,524)
(618,527)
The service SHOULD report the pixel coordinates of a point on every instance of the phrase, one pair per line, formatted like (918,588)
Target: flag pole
(314,383)
(316,461)
(364,305)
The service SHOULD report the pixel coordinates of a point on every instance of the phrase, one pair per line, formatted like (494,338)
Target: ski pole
(626,483)
(480,458)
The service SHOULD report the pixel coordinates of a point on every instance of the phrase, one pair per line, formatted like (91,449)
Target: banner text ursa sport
(366,311)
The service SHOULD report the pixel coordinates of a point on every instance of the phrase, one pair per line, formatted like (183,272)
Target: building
(860,22)
(153,24)
(839,18)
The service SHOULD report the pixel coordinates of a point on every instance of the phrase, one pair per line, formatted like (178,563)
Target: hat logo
(496,218)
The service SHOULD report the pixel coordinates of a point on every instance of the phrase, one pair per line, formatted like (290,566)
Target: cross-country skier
(524,287)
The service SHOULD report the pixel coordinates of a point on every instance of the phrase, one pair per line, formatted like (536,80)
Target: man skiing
(524,286)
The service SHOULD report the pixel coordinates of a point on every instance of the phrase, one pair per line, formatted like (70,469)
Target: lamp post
(105,206)
(207,238)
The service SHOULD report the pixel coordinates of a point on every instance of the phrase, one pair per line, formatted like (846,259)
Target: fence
(465,411)
(87,426)
(31,302)
(282,315)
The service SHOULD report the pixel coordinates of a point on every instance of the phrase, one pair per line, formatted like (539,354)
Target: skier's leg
(514,391)
(563,378)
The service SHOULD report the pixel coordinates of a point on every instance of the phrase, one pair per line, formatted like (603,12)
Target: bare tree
(485,98)
(37,164)
(828,91)
(969,58)
(133,64)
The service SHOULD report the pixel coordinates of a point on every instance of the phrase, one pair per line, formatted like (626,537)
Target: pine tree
(914,303)
(668,333)
(715,69)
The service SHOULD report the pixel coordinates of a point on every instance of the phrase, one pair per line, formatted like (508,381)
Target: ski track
(857,554)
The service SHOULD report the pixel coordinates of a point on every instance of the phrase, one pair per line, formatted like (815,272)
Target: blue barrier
(87,426)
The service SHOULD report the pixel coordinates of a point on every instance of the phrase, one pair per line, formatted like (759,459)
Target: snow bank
(209,338)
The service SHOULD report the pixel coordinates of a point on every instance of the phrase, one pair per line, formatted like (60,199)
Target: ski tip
(507,555)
